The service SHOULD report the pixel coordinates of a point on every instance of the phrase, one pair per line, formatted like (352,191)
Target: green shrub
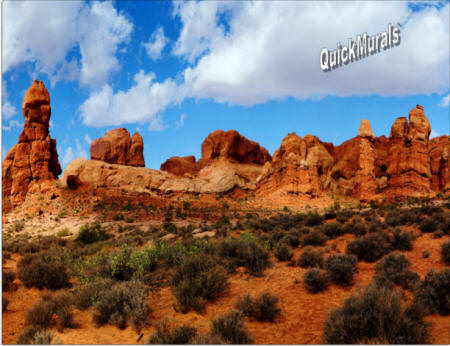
(40,315)
(357,228)
(376,316)
(178,336)
(313,219)
(63,232)
(314,237)
(310,258)
(445,252)
(87,295)
(7,279)
(262,308)
(341,268)
(370,247)
(434,291)
(123,302)
(291,239)
(246,252)
(40,271)
(230,328)
(196,281)
(395,268)
(283,252)
(315,280)
(89,234)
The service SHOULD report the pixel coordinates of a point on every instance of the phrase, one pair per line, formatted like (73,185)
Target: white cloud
(45,32)
(445,101)
(101,29)
(180,121)
(156,124)
(8,110)
(87,139)
(11,125)
(141,103)
(70,155)
(434,134)
(156,44)
(271,50)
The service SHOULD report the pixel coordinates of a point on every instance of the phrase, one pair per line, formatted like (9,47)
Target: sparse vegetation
(283,252)
(89,234)
(370,247)
(445,252)
(315,280)
(178,336)
(230,328)
(376,316)
(262,308)
(433,292)
(395,268)
(311,258)
(341,268)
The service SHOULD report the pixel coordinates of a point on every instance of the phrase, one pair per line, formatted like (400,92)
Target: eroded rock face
(117,147)
(34,158)
(234,147)
(408,162)
(440,171)
(181,165)
(297,167)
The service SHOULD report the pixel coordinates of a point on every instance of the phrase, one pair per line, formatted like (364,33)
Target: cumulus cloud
(445,101)
(11,125)
(8,110)
(45,32)
(156,44)
(271,50)
(139,104)
(434,134)
(70,154)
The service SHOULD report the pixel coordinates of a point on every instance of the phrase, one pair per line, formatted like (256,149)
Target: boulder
(181,165)
(34,159)
(117,147)
(234,147)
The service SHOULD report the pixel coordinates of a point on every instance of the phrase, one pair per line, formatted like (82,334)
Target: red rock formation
(34,159)
(297,167)
(440,171)
(234,147)
(181,165)
(367,185)
(117,147)
(408,162)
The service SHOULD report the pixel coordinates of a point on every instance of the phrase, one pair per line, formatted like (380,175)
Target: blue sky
(176,71)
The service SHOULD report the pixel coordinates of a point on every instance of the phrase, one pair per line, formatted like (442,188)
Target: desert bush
(434,291)
(395,268)
(343,215)
(196,281)
(314,237)
(425,253)
(291,239)
(376,316)
(402,239)
(63,232)
(313,219)
(123,302)
(178,336)
(40,315)
(246,252)
(283,252)
(396,218)
(370,247)
(35,336)
(315,280)
(7,278)
(375,226)
(438,234)
(87,295)
(356,227)
(341,268)
(262,308)
(118,217)
(89,234)
(230,328)
(39,271)
(428,225)
(310,258)
(445,252)
(333,229)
